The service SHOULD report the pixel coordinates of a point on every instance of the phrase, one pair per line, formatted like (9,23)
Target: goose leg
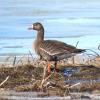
(49,67)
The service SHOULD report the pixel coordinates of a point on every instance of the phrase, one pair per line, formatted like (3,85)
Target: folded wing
(51,50)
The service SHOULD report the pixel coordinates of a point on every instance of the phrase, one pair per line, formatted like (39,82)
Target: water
(68,21)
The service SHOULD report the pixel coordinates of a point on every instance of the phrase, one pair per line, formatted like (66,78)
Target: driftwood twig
(74,85)
(4,81)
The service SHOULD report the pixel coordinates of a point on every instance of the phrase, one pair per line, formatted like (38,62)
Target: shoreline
(27,74)
(25,79)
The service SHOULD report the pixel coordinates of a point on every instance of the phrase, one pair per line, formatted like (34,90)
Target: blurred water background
(66,20)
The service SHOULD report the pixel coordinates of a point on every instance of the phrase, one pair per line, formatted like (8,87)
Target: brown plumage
(52,50)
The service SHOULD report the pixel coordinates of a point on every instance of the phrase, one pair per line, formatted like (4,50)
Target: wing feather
(52,47)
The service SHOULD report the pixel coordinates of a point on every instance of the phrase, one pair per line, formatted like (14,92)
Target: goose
(52,50)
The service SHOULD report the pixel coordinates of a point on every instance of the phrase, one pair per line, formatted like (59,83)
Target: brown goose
(52,50)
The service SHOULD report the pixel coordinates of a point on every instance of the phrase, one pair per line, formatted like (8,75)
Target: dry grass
(30,78)
(31,75)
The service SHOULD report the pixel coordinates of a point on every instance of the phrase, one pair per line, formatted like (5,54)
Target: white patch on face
(32,26)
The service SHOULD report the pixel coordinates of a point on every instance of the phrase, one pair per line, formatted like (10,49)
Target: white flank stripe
(48,52)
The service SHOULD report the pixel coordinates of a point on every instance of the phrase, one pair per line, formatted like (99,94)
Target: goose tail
(80,50)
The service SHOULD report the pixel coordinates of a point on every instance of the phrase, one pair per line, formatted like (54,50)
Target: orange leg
(49,67)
